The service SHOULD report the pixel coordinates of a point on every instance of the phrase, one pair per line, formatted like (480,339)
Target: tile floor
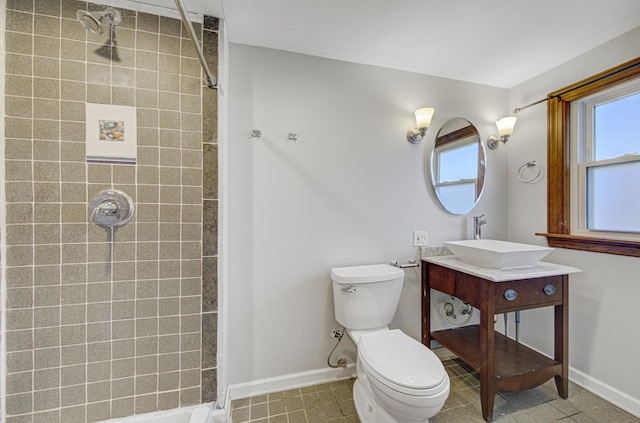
(333,402)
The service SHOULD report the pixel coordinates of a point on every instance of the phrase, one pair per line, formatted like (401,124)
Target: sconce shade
(505,129)
(506,125)
(423,117)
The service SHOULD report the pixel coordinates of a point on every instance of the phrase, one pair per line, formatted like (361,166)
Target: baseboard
(607,392)
(291,381)
(601,389)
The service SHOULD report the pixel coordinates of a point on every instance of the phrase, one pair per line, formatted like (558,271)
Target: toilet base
(367,408)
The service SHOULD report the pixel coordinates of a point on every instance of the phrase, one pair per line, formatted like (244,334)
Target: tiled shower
(104,323)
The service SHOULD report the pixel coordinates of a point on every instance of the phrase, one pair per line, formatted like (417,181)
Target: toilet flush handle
(350,290)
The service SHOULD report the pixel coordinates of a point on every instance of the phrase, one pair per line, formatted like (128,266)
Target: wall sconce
(423,120)
(505,129)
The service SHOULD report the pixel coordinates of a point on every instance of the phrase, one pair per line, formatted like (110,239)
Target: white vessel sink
(498,254)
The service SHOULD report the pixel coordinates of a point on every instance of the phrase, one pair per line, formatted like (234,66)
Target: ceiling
(494,42)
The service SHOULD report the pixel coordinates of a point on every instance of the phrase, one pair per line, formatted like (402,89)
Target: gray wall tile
(81,298)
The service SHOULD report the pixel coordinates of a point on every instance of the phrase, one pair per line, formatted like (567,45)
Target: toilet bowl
(401,375)
(399,379)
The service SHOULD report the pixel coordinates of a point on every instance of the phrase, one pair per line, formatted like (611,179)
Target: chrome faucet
(478,221)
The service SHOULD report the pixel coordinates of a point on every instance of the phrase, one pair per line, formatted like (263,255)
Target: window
(594,163)
(606,157)
(457,176)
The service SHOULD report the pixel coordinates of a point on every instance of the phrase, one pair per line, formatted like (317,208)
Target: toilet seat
(401,363)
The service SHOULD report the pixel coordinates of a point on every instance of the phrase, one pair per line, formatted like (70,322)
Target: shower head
(92,21)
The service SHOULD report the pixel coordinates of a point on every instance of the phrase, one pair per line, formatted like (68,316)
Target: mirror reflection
(458,166)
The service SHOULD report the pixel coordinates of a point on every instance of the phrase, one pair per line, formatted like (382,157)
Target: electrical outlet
(419,238)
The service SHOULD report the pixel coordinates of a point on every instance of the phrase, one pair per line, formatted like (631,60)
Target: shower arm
(211,80)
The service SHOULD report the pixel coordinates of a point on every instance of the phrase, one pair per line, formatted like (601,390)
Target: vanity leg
(487,347)
(561,339)
(426,307)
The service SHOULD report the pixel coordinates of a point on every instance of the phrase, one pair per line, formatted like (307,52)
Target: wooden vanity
(503,364)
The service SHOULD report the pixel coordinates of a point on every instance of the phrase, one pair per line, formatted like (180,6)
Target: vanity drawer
(442,279)
(528,293)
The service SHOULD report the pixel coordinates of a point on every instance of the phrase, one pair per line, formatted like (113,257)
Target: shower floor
(333,402)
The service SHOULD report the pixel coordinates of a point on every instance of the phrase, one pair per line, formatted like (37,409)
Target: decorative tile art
(111,134)
(111,130)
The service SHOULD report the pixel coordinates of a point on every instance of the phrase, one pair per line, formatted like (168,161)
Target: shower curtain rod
(632,65)
(210,79)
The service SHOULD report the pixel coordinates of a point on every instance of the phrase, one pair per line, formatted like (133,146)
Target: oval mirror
(458,166)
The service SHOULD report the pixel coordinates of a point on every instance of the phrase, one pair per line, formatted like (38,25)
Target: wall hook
(256,133)
(292,137)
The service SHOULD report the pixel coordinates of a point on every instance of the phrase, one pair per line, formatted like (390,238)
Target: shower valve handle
(111,207)
(108,207)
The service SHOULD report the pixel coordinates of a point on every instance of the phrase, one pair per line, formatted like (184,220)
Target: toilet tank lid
(365,274)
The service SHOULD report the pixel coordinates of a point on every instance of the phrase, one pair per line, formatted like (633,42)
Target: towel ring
(526,166)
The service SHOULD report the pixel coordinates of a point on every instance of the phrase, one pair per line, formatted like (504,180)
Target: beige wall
(103,323)
(603,297)
(351,191)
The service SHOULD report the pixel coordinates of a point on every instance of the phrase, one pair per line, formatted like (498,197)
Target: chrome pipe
(210,79)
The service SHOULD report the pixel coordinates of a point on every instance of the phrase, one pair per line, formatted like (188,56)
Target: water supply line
(209,78)
(342,362)
(450,315)
(506,322)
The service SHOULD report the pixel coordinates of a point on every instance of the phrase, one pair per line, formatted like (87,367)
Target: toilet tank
(366,297)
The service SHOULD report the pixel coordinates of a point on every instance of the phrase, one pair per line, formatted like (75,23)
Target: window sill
(597,245)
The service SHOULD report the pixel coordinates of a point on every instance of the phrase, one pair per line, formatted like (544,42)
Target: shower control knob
(510,294)
(549,289)
(111,207)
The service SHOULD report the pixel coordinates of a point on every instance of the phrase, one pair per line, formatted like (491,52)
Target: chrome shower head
(92,21)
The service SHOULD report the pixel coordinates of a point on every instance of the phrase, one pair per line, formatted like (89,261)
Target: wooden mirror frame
(559,162)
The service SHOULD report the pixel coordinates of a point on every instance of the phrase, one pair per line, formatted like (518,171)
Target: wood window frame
(559,163)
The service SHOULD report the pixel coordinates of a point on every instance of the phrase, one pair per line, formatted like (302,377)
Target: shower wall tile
(19,64)
(169,45)
(208,269)
(47,7)
(106,323)
(19,22)
(25,6)
(126,38)
(18,85)
(46,25)
(71,30)
(45,46)
(19,43)
(148,22)
(146,41)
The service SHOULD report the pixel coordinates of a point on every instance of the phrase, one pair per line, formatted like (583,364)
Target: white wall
(604,297)
(349,192)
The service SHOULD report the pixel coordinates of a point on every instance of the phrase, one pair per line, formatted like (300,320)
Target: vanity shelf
(512,360)
(503,363)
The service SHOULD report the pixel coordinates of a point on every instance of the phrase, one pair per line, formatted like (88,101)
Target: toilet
(399,379)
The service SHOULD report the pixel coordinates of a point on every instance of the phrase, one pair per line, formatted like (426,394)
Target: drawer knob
(510,294)
(549,289)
